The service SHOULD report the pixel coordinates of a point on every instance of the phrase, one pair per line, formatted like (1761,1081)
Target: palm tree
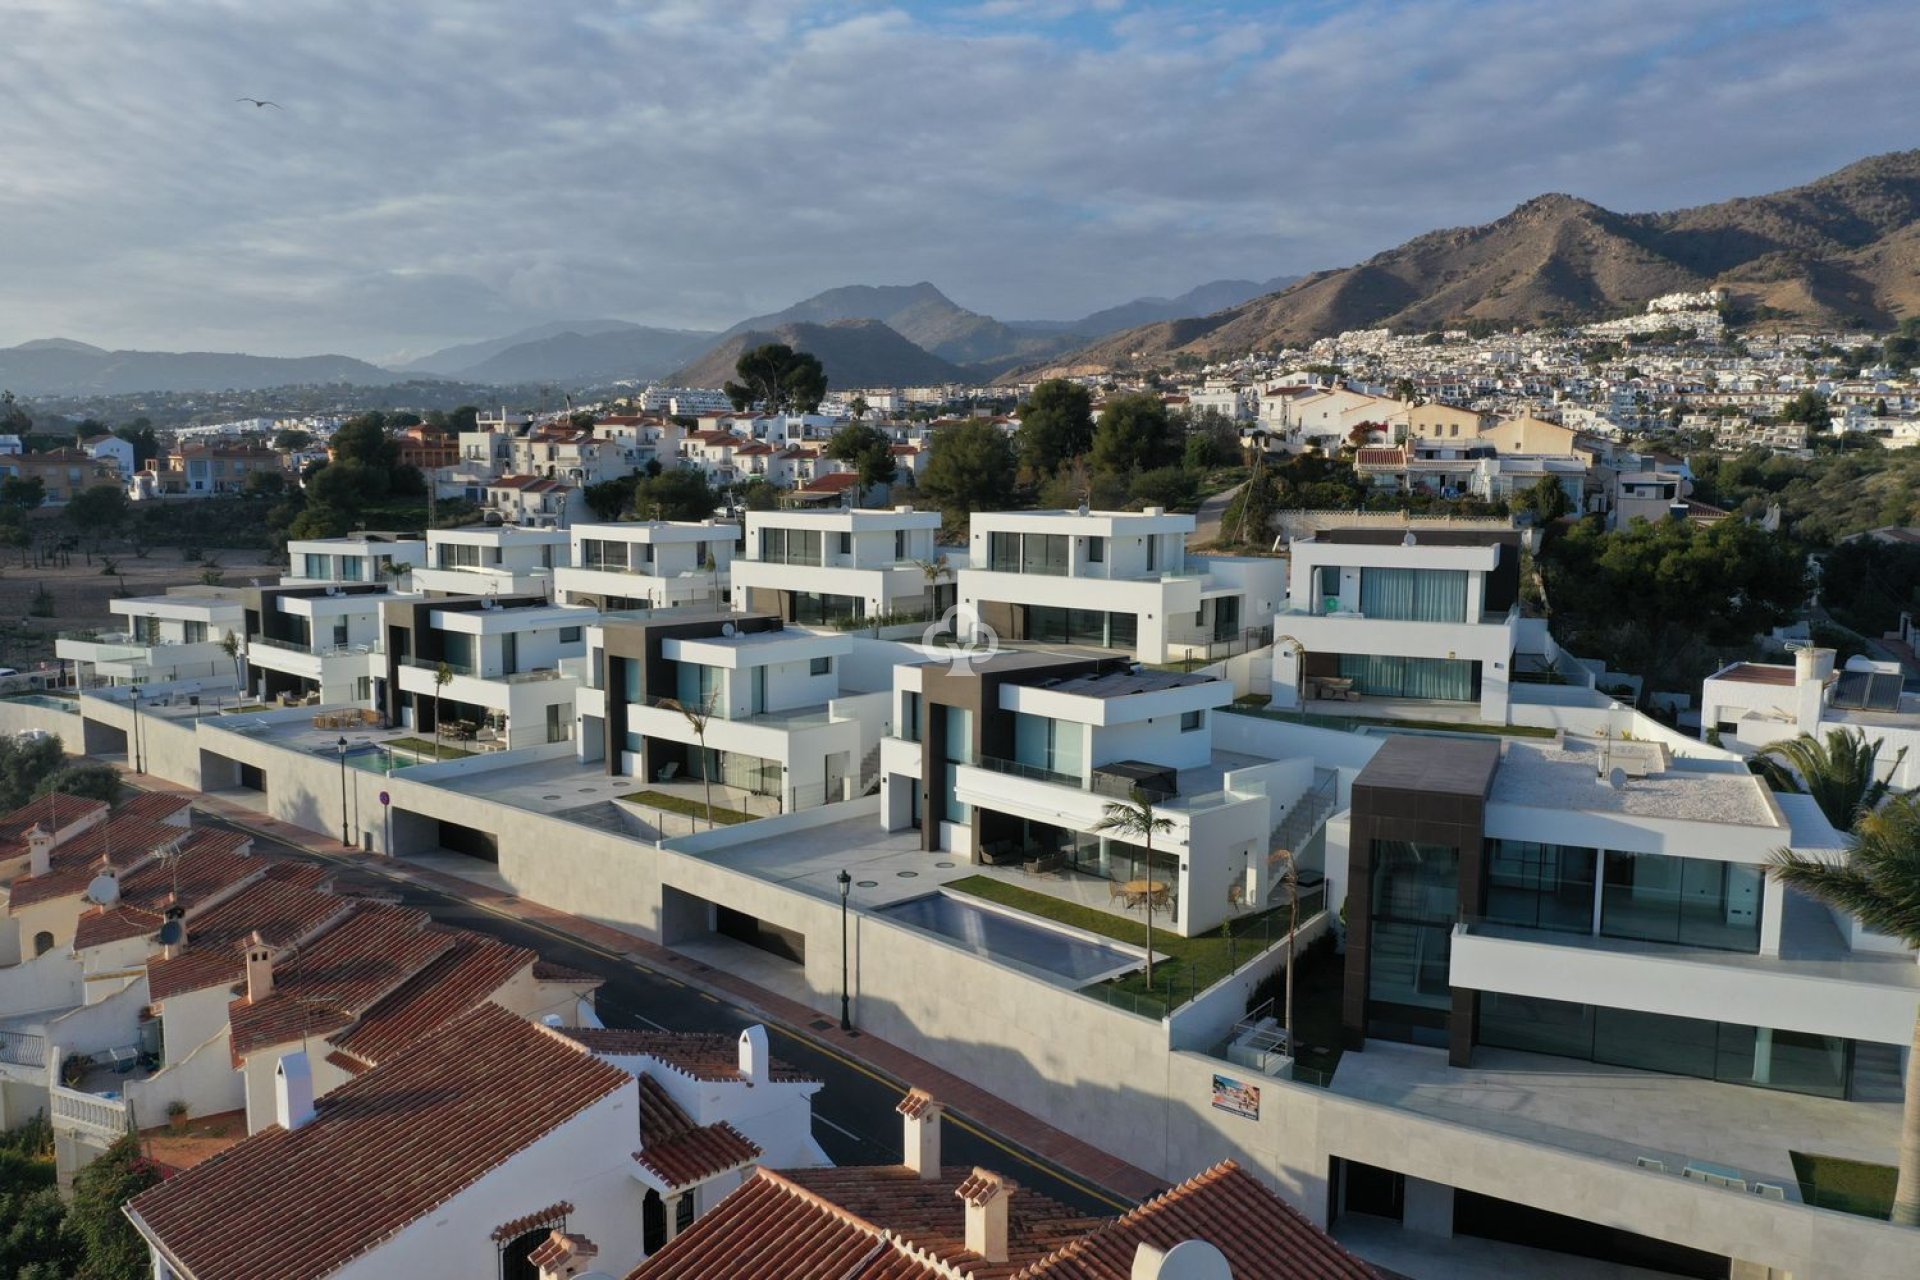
(1878,881)
(1137,821)
(230,645)
(933,568)
(697,717)
(442,677)
(1840,773)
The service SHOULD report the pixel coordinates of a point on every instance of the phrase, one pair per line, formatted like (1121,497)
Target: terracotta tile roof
(154,806)
(468,973)
(129,841)
(521,1225)
(212,864)
(929,1214)
(769,1229)
(1262,1236)
(1758,673)
(327,985)
(54,811)
(694,1157)
(697,1054)
(351,1065)
(832,482)
(916,1103)
(982,1187)
(549,971)
(561,1247)
(387,1147)
(1382,458)
(286,906)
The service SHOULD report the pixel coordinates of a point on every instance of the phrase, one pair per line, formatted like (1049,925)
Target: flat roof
(1118,684)
(1450,766)
(1757,673)
(1564,776)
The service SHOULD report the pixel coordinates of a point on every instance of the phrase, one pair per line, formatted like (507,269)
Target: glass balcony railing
(1032,772)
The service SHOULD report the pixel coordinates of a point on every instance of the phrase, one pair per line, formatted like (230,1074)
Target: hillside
(1842,250)
(855,353)
(58,366)
(1215,295)
(451,360)
(584,360)
(922,315)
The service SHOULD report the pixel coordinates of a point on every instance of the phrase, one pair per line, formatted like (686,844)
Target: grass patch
(1252,705)
(1190,966)
(1850,1186)
(691,808)
(427,747)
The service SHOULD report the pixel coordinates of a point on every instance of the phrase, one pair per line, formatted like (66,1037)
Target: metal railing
(1312,809)
(434,664)
(23,1048)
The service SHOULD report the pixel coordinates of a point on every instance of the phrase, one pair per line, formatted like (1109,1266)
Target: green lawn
(1191,965)
(1255,705)
(692,808)
(429,748)
(1851,1186)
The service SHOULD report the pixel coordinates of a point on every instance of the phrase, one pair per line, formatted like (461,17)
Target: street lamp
(341,746)
(846,887)
(139,765)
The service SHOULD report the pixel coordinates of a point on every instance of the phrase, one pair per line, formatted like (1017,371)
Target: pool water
(999,934)
(376,759)
(69,705)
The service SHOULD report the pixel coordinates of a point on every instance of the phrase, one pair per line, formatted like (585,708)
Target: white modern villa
(1111,580)
(814,567)
(654,564)
(167,638)
(506,560)
(1750,705)
(501,670)
(357,557)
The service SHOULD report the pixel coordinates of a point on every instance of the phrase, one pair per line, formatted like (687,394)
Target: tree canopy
(971,469)
(777,379)
(679,493)
(1135,434)
(867,450)
(114,1250)
(1056,425)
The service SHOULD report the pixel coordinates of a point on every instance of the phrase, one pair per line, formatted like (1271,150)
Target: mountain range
(1842,250)
(61,366)
(854,353)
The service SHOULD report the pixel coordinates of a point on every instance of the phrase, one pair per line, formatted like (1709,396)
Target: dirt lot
(81,592)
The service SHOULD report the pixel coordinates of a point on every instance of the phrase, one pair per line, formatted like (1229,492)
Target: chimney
(39,851)
(755,1066)
(293,1091)
(561,1256)
(922,1135)
(986,1195)
(259,969)
(1188,1260)
(1812,664)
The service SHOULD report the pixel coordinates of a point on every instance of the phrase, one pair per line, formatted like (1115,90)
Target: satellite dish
(104,891)
(172,933)
(727,628)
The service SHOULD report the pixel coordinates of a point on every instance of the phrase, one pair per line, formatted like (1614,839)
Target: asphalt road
(853,1115)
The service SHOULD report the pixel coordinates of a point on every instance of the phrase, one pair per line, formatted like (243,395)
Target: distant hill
(577,352)
(922,315)
(1216,295)
(855,353)
(1842,250)
(60,366)
(583,360)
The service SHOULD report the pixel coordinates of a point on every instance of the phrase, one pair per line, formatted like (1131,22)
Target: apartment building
(314,641)
(499,559)
(813,567)
(177,636)
(649,564)
(533,502)
(62,473)
(1113,580)
(1428,615)
(775,721)
(497,671)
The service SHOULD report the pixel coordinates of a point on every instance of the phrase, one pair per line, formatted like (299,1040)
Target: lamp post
(846,887)
(139,765)
(1606,766)
(341,747)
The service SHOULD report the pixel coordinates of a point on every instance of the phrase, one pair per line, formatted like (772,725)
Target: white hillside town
(1322,858)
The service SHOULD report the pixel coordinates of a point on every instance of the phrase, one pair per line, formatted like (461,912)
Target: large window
(1046,743)
(460,555)
(602,553)
(1414,595)
(1042,553)
(1416,896)
(956,750)
(1694,902)
(817,608)
(1389,676)
(1540,886)
(698,686)
(1792,1061)
(1095,627)
(910,716)
(790,546)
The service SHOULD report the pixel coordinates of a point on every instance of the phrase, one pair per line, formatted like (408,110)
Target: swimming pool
(371,757)
(987,930)
(69,705)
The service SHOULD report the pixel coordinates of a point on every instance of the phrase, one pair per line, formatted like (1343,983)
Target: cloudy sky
(446,170)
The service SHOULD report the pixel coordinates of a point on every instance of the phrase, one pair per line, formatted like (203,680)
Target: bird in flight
(261,102)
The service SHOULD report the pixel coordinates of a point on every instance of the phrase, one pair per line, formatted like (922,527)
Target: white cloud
(447,169)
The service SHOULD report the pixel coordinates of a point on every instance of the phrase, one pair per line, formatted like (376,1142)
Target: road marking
(854,1064)
(842,1129)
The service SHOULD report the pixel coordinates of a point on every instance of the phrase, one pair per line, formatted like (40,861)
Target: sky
(441,171)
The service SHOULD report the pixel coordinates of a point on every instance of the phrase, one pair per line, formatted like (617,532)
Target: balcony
(318,651)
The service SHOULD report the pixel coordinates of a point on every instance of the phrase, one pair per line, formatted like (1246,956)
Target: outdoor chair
(1649,1162)
(668,771)
(1770,1190)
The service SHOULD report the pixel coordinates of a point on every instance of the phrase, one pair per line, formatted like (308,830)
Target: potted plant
(74,1069)
(177,1116)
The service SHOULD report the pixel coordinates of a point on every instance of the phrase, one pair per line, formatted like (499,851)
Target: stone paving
(969,1100)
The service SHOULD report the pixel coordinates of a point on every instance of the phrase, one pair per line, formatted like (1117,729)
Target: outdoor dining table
(1138,891)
